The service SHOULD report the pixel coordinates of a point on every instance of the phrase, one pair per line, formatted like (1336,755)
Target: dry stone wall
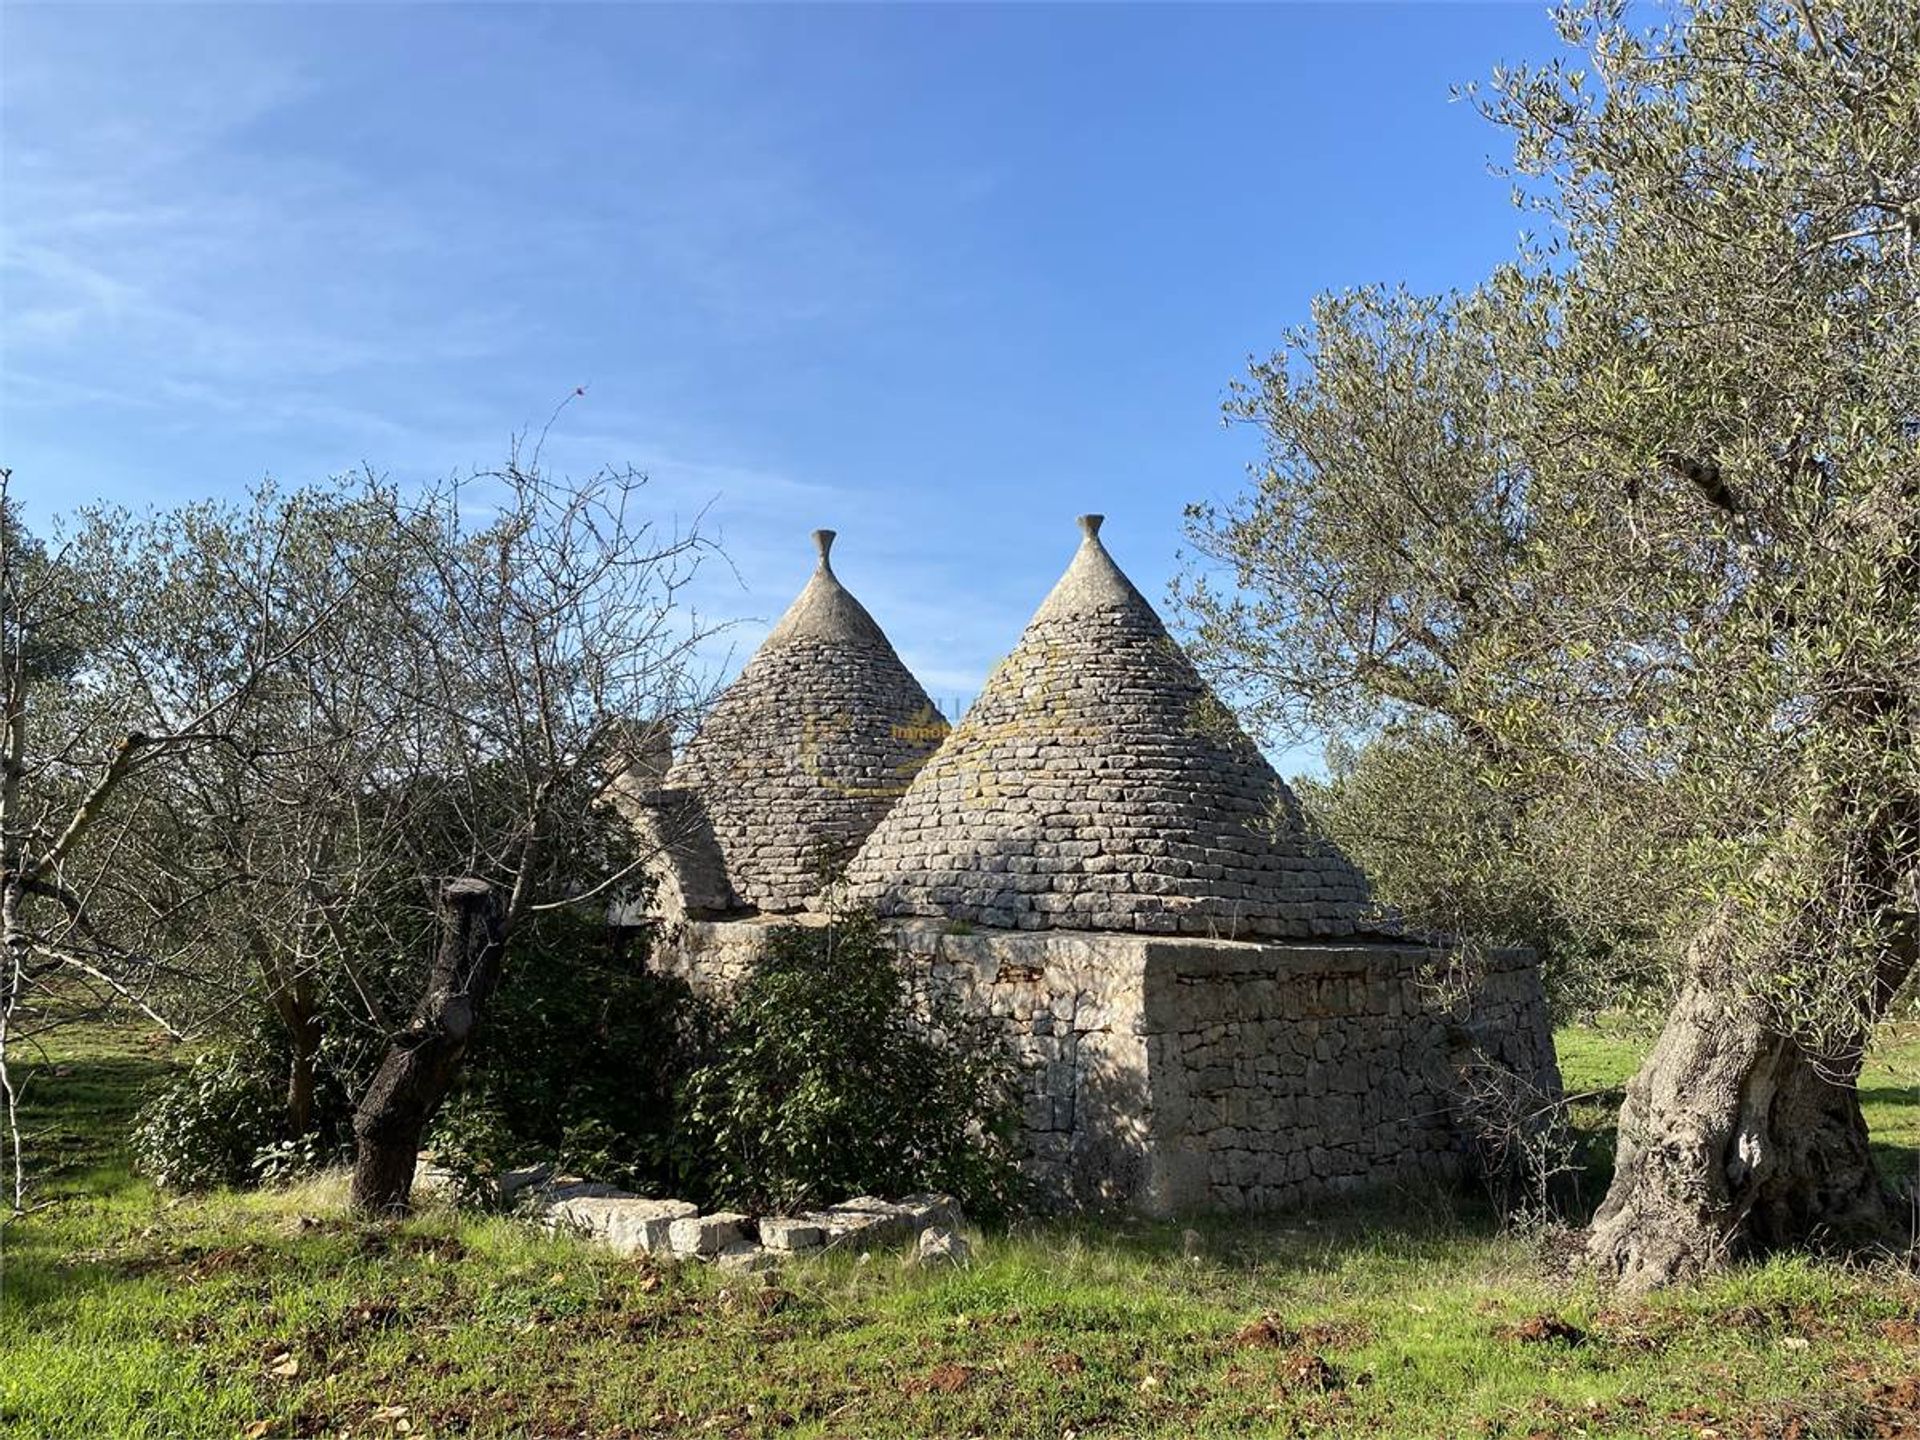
(1186,1075)
(1286,1073)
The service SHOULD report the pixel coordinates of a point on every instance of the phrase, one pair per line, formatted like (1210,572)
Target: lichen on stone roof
(1098,784)
(818,737)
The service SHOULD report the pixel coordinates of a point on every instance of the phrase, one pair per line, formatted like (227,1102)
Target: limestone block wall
(1282,1074)
(1185,1075)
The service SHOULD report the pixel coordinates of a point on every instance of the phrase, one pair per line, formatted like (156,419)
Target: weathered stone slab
(882,1224)
(629,1225)
(938,1245)
(572,1187)
(431,1181)
(514,1183)
(708,1235)
(933,1209)
(791,1234)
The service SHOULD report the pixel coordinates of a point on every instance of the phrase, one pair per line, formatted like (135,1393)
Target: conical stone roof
(813,743)
(1098,784)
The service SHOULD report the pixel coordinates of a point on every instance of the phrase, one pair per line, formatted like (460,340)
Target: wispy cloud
(292,240)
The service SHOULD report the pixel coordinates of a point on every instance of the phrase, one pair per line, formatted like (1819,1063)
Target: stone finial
(823,542)
(1090,526)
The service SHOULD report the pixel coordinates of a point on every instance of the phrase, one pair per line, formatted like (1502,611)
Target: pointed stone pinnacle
(823,541)
(1090,526)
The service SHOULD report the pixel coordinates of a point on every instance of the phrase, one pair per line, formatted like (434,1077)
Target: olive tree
(1445,843)
(97,704)
(1640,517)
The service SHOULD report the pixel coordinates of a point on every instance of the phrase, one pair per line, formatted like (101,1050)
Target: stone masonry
(1097,784)
(1182,1074)
(803,754)
(1208,1010)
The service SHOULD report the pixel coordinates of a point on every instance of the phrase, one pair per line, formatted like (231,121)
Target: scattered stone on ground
(628,1224)
(928,1210)
(864,1222)
(938,1245)
(635,1225)
(784,1232)
(571,1187)
(514,1183)
(437,1181)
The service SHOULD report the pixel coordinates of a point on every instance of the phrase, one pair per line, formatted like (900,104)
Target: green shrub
(577,1065)
(206,1129)
(830,1078)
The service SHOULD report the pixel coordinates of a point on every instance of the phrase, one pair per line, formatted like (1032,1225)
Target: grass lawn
(125,1313)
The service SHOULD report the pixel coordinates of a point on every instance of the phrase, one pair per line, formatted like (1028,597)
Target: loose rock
(940,1246)
(706,1235)
(790,1234)
(630,1226)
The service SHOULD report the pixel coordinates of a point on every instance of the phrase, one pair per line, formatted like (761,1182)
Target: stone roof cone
(806,750)
(1098,784)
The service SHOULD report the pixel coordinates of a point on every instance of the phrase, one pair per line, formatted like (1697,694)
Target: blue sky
(940,278)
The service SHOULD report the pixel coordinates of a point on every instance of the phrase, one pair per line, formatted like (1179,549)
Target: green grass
(125,1313)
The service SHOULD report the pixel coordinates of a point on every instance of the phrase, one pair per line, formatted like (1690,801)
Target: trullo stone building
(796,762)
(1097,784)
(1210,1013)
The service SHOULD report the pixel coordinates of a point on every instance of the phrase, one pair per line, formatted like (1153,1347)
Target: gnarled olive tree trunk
(422,1060)
(1734,1138)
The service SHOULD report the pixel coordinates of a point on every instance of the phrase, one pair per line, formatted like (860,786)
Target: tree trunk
(300,1079)
(293,1003)
(422,1061)
(1734,1139)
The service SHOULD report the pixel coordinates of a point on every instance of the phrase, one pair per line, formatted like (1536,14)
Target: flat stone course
(635,1225)
(706,1235)
(781,1232)
(628,1224)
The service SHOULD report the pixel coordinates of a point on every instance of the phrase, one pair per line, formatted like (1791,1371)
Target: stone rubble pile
(634,1225)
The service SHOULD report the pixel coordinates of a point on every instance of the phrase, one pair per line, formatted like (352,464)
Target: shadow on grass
(77,1118)
(1893,1129)
(1415,1225)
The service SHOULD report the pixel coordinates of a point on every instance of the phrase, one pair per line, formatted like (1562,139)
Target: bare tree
(539,620)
